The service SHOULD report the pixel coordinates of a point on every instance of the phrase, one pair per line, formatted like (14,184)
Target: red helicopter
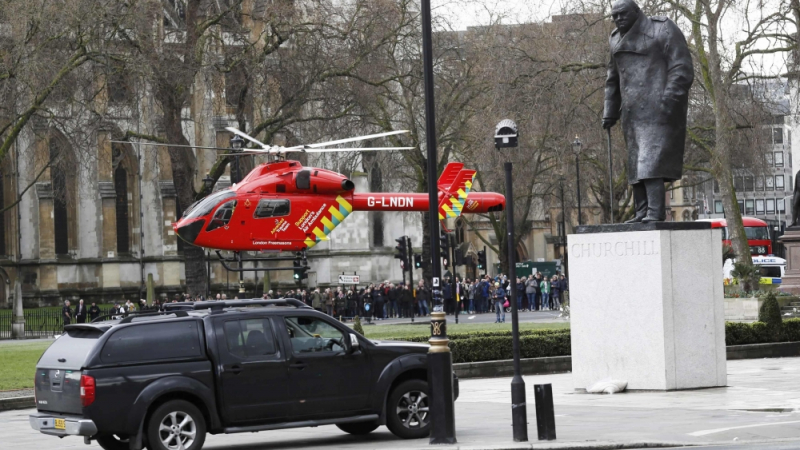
(284,206)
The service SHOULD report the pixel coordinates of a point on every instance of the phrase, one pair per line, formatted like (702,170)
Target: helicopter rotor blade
(172,145)
(344,141)
(354,149)
(248,137)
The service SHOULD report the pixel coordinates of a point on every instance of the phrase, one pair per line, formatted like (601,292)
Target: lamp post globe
(237,142)
(208,182)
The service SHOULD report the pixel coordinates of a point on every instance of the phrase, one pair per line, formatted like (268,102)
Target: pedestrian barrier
(39,322)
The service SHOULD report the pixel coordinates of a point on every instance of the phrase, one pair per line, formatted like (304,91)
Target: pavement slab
(761,405)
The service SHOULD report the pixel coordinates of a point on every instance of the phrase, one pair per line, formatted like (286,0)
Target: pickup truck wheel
(113,442)
(358,428)
(407,413)
(177,424)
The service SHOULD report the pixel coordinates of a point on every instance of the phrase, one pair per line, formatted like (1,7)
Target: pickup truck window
(251,337)
(153,342)
(310,334)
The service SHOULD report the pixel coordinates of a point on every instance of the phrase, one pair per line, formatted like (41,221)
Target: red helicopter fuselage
(283,206)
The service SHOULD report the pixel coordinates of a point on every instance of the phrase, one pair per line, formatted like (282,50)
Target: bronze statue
(649,76)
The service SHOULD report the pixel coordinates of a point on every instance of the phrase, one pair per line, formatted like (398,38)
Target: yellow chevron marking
(310,242)
(462,194)
(327,222)
(320,234)
(347,206)
(335,212)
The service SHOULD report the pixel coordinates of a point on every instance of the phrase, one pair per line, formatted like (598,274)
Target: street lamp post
(208,183)
(506,136)
(576,147)
(236,144)
(440,364)
(562,238)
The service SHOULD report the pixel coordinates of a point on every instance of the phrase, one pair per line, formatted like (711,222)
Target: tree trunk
(183,164)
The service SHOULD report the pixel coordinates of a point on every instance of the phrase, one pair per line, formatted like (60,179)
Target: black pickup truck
(164,380)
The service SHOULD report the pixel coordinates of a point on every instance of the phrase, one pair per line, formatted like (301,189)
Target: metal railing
(38,322)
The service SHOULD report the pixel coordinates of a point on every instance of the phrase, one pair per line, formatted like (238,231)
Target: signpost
(349,279)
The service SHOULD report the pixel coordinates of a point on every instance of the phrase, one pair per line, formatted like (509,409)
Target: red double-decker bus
(757,232)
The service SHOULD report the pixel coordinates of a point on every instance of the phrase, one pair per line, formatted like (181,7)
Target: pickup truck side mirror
(354,344)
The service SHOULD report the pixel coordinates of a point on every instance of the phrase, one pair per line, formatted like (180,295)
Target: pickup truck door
(326,379)
(253,371)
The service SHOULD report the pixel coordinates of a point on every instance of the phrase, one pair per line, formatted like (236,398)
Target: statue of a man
(649,76)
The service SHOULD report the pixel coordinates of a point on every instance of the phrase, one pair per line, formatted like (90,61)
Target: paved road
(761,403)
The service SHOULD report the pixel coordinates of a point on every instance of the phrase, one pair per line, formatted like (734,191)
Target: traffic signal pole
(440,365)
(411,274)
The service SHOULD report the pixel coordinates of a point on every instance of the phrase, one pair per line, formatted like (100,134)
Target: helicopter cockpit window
(271,208)
(204,206)
(222,216)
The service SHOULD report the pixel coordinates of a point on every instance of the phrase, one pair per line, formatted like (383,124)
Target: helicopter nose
(189,231)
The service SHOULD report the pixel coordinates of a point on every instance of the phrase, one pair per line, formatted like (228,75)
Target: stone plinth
(790,282)
(647,306)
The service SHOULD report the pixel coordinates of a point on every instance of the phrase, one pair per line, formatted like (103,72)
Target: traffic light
(444,243)
(402,250)
(417,261)
(300,270)
(482,259)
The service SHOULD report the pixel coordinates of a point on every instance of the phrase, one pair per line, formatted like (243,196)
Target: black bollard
(545,416)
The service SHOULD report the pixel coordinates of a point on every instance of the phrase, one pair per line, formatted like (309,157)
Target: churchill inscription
(611,248)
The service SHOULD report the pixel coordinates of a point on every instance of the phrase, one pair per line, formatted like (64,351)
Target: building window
(120,85)
(779,182)
(686,215)
(741,206)
(759,183)
(235,86)
(121,203)
(778,159)
(770,206)
(671,189)
(748,184)
(770,185)
(777,135)
(759,206)
(718,209)
(738,184)
(749,208)
(781,202)
(60,219)
(770,162)
(716,187)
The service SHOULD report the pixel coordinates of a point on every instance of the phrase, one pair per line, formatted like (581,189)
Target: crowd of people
(387,300)
(399,300)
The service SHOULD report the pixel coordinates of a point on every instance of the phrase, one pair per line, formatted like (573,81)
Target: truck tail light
(87,390)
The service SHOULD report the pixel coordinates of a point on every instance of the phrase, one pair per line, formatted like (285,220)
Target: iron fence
(38,322)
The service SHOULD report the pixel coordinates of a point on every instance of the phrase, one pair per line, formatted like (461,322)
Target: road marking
(720,430)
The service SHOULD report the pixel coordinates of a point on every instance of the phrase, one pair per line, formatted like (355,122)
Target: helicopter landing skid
(299,256)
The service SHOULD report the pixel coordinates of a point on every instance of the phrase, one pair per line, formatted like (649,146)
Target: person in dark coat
(447,295)
(649,76)
(94,311)
(66,313)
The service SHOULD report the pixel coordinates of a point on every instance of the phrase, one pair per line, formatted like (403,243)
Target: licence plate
(60,425)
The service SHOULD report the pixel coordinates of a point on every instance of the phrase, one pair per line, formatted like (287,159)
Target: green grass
(407,331)
(18,363)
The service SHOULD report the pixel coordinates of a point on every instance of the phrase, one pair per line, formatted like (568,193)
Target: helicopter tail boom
(475,203)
